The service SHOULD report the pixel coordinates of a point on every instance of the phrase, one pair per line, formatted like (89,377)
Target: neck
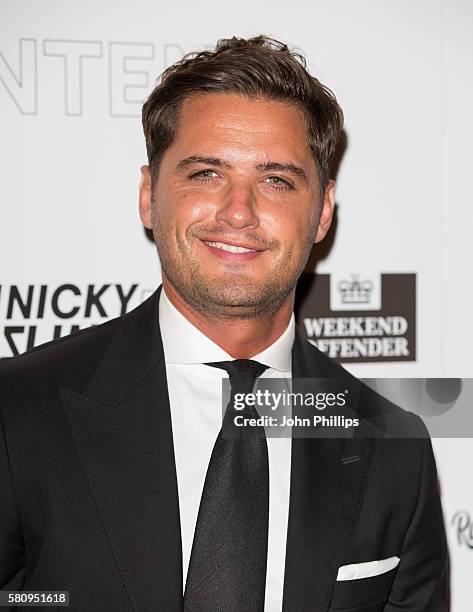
(242,338)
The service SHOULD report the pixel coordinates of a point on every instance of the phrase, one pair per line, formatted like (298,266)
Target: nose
(237,208)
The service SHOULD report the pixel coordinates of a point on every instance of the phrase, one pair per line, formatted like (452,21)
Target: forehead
(233,121)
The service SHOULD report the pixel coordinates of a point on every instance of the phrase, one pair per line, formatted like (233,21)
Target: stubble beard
(229,296)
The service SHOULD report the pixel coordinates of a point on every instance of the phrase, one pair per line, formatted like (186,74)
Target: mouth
(231,250)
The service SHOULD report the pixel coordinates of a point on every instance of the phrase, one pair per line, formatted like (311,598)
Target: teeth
(230,247)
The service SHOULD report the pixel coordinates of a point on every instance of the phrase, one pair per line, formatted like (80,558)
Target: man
(117,484)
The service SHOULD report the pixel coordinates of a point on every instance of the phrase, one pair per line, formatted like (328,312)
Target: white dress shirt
(195,396)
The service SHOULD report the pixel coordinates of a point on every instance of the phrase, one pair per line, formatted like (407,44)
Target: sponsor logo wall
(359,318)
(130,67)
(34,314)
(462,522)
(390,297)
(454,462)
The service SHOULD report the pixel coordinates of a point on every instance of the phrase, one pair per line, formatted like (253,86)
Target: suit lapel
(325,501)
(121,426)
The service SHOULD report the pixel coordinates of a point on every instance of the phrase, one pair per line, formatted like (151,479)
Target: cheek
(192,208)
(183,210)
(284,224)
(292,227)
(198,207)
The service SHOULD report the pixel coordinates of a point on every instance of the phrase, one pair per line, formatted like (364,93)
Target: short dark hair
(259,67)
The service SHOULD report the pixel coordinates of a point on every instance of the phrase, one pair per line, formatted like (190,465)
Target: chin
(233,294)
(244,301)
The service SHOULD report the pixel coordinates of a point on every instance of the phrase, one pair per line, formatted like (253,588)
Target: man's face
(236,205)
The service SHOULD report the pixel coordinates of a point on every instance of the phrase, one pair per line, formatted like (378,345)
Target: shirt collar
(183,343)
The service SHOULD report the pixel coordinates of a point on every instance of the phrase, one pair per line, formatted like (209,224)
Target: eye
(279,183)
(203,175)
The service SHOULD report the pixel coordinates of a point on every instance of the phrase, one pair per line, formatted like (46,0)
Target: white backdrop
(73,76)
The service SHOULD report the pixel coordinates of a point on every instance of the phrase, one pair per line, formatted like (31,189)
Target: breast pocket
(363,594)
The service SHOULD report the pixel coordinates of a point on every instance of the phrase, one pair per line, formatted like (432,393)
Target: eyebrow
(291,168)
(264,167)
(199,159)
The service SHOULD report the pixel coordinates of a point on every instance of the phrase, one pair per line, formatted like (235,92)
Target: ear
(326,214)
(145,197)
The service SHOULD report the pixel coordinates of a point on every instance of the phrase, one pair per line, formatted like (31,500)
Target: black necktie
(227,569)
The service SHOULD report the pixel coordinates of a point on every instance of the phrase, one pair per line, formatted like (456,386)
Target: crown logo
(355,291)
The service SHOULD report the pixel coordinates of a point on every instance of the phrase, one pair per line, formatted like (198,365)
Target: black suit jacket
(89,499)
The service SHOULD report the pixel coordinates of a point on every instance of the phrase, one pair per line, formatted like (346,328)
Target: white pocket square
(355,571)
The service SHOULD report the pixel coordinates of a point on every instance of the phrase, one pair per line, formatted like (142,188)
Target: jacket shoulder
(382,417)
(68,361)
(30,383)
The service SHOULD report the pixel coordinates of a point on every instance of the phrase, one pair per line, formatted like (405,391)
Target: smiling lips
(237,252)
(232,248)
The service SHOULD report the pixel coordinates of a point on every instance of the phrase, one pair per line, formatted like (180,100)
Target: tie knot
(240,369)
